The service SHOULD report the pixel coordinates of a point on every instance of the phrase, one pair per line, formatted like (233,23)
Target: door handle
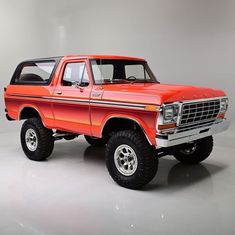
(59,92)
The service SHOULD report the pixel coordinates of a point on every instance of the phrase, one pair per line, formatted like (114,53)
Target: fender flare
(141,124)
(32,107)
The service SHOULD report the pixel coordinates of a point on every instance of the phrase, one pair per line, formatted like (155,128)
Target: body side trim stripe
(95,102)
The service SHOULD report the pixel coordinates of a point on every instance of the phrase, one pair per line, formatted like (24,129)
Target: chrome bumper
(188,136)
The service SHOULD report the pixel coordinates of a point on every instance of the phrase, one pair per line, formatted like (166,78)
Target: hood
(149,93)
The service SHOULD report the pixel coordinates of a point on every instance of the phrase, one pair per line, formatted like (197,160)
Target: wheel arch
(29,111)
(127,119)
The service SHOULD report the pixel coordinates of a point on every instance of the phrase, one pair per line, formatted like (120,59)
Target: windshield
(106,71)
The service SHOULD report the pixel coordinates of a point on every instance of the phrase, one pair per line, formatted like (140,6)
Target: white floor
(72,193)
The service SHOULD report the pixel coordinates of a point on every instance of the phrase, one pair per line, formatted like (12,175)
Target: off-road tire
(203,149)
(147,161)
(96,142)
(45,140)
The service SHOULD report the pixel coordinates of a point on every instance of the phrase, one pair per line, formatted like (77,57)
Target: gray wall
(185,41)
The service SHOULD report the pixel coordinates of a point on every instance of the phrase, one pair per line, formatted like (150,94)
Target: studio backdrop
(185,41)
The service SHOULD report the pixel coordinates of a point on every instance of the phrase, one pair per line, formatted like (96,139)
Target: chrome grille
(201,113)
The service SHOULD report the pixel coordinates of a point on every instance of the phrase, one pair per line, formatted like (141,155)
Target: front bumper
(191,135)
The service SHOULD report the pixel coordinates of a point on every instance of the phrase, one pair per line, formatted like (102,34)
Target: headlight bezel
(170,113)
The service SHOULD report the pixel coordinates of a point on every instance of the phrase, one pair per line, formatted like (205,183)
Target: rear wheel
(93,141)
(130,159)
(194,152)
(36,140)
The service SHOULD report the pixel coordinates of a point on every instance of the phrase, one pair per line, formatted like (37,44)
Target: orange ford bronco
(117,102)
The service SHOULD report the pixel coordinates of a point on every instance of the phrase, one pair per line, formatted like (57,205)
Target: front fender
(149,128)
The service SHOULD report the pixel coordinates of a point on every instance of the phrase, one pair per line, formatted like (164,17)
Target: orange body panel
(86,110)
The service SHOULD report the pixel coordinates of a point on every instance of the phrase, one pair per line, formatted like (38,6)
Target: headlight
(170,113)
(223,105)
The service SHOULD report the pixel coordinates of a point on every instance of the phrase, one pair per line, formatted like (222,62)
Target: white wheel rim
(125,160)
(31,139)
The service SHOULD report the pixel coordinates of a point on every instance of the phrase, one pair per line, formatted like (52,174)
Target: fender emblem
(96,94)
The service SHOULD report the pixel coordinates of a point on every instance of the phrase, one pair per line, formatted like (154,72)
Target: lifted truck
(118,102)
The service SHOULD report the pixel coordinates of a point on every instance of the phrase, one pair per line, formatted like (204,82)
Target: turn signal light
(166,126)
(152,107)
(221,116)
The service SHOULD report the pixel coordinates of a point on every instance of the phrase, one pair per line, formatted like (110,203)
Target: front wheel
(130,159)
(194,152)
(36,140)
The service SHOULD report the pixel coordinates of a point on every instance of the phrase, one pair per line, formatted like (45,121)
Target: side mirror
(75,84)
(79,84)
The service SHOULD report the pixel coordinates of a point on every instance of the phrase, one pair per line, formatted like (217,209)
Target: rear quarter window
(34,72)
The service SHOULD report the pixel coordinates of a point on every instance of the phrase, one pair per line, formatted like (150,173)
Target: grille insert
(197,113)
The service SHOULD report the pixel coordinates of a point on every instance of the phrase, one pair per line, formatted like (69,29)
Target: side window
(75,74)
(35,72)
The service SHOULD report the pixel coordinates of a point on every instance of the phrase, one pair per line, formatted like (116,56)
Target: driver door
(71,98)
